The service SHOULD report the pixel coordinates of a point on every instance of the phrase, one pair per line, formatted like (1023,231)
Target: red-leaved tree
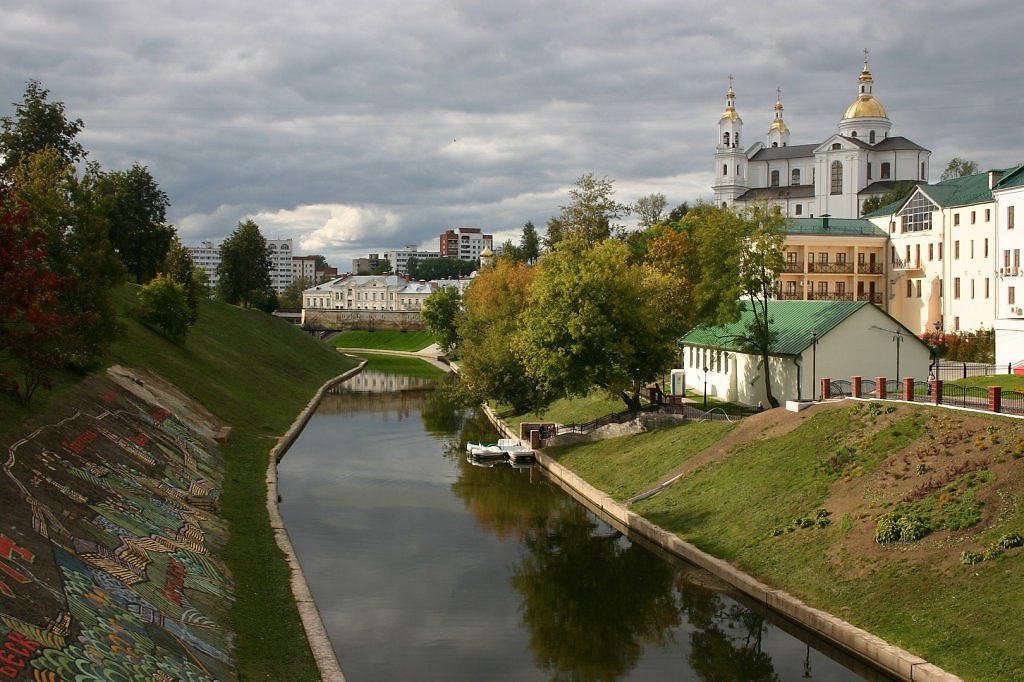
(31,330)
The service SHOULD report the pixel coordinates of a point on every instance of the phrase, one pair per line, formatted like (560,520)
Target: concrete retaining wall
(853,640)
(316,633)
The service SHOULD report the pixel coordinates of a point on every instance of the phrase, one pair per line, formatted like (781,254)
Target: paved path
(431,354)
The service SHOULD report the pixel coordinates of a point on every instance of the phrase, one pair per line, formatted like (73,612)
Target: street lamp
(814,364)
(705,387)
(898,338)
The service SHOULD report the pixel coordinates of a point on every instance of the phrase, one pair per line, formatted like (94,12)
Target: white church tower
(730,160)
(778,133)
(866,119)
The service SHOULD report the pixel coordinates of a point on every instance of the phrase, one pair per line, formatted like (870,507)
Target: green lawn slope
(798,501)
(256,373)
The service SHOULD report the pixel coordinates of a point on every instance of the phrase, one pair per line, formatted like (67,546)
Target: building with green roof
(814,339)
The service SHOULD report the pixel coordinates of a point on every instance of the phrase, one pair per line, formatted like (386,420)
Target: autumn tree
(244,269)
(31,330)
(489,367)
(596,319)
(180,267)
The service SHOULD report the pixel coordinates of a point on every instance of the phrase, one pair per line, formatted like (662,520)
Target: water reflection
(495,573)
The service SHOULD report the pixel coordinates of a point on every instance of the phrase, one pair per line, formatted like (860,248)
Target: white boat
(485,450)
(517,452)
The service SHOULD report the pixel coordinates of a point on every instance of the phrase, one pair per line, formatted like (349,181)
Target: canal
(425,567)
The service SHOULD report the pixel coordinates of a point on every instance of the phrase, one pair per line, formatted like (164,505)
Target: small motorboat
(485,450)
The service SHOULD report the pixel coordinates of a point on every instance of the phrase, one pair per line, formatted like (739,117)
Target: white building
(465,243)
(835,339)
(368,292)
(285,267)
(1007,270)
(832,177)
(399,258)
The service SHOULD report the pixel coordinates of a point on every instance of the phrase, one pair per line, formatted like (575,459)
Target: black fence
(614,418)
(949,371)
(1012,402)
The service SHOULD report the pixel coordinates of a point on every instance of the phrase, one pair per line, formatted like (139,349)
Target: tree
(596,319)
(440,314)
(491,307)
(244,268)
(878,201)
(677,213)
(439,268)
(37,125)
(292,295)
(163,305)
(649,209)
(760,263)
(136,210)
(31,331)
(529,243)
(590,213)
(512,251)
(180,267)
(958,168)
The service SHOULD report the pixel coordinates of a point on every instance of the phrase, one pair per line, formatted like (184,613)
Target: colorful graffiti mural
(109,540)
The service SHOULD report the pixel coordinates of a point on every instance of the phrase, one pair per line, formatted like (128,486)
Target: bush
(1011,540)
(900,526)
(163,305)
(969,557)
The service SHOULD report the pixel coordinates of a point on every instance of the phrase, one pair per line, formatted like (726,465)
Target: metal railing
(947,371)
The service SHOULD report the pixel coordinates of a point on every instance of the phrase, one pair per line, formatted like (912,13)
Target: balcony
(789,295)
(907,265)
(831,268)
(874,297)
(829,296)
(790,266)
(870,269)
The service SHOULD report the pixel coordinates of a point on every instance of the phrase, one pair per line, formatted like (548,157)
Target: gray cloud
(359,126)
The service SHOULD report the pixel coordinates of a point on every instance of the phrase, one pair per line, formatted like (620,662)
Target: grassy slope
(255,372)
(963,618)
(383,340)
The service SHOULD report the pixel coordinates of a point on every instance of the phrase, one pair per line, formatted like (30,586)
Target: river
(425,567)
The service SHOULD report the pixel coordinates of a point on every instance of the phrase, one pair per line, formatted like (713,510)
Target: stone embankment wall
(891,659)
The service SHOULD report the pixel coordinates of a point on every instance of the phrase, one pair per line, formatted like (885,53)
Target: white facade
(834,177)
(465,243)
(368,292)
(1008,270)
(862,343)
(399,258)
(206,257)
(282,269)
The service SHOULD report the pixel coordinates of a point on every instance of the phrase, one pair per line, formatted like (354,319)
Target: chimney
(824,221)
(994,176)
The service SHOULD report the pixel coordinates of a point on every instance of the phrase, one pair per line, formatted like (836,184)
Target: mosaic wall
(109,540)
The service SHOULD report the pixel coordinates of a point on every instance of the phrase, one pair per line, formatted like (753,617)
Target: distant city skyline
(361,127)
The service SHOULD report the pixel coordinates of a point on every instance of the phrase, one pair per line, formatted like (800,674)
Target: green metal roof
(835,226)
(791,320)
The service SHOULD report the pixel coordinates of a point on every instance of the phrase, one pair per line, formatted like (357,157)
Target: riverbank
(796,505)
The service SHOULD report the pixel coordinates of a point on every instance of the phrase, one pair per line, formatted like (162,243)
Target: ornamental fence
(936,392)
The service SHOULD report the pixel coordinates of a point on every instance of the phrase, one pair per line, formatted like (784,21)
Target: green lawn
(411,341)
(403,365)
(566,410)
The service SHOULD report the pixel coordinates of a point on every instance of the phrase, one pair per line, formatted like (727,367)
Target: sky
(358,126)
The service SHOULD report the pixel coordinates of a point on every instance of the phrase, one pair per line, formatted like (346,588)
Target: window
(1016,258)
(956,249)
(871,138)
(823,258)
(940,250)
(725,169)
(791,256)
(869,171)
(986,288)
(910,288)
(799,209)
(822,287)
(918,284)
(956,323)
(775,178)
(972,288)
(886,172)
(836,145)
(853,133)
(837,177)
(840,288)
(922,170)
(810,257)
(988,214)
(973,216)
(860,258)
(931,252)
(841,258)
(1011,295)
(1006,258)
(725,139)
(794,177)
(956,287)
(917,214)
(956,219)
(1009,217)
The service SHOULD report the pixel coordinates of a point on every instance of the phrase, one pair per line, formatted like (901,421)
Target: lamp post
(898,338)
(814,364)
(705,387)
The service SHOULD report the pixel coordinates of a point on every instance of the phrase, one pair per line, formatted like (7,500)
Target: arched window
(836,145)
(725,139)
(725,169)
(724,205)
(775,144)
(886,170)
(775,178)
(837,177)
(853,133)
(794,177)
(736,140)
(871,137)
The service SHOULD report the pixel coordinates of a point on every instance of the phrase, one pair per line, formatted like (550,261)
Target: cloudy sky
(354,126)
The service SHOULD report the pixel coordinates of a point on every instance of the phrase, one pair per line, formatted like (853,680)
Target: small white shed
(814,339)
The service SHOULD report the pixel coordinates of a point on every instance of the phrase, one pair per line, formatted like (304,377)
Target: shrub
(1011,540)
(969,557)
(900,526)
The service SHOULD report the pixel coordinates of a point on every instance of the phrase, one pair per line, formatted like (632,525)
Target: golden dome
(865,106)
(486,253)
(730,113)
(778,124)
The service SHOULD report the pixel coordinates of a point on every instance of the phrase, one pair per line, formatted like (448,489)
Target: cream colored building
(833,259)
(1008,270)
(368,292)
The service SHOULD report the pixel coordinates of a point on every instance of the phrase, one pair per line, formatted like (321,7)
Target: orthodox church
(833,178)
